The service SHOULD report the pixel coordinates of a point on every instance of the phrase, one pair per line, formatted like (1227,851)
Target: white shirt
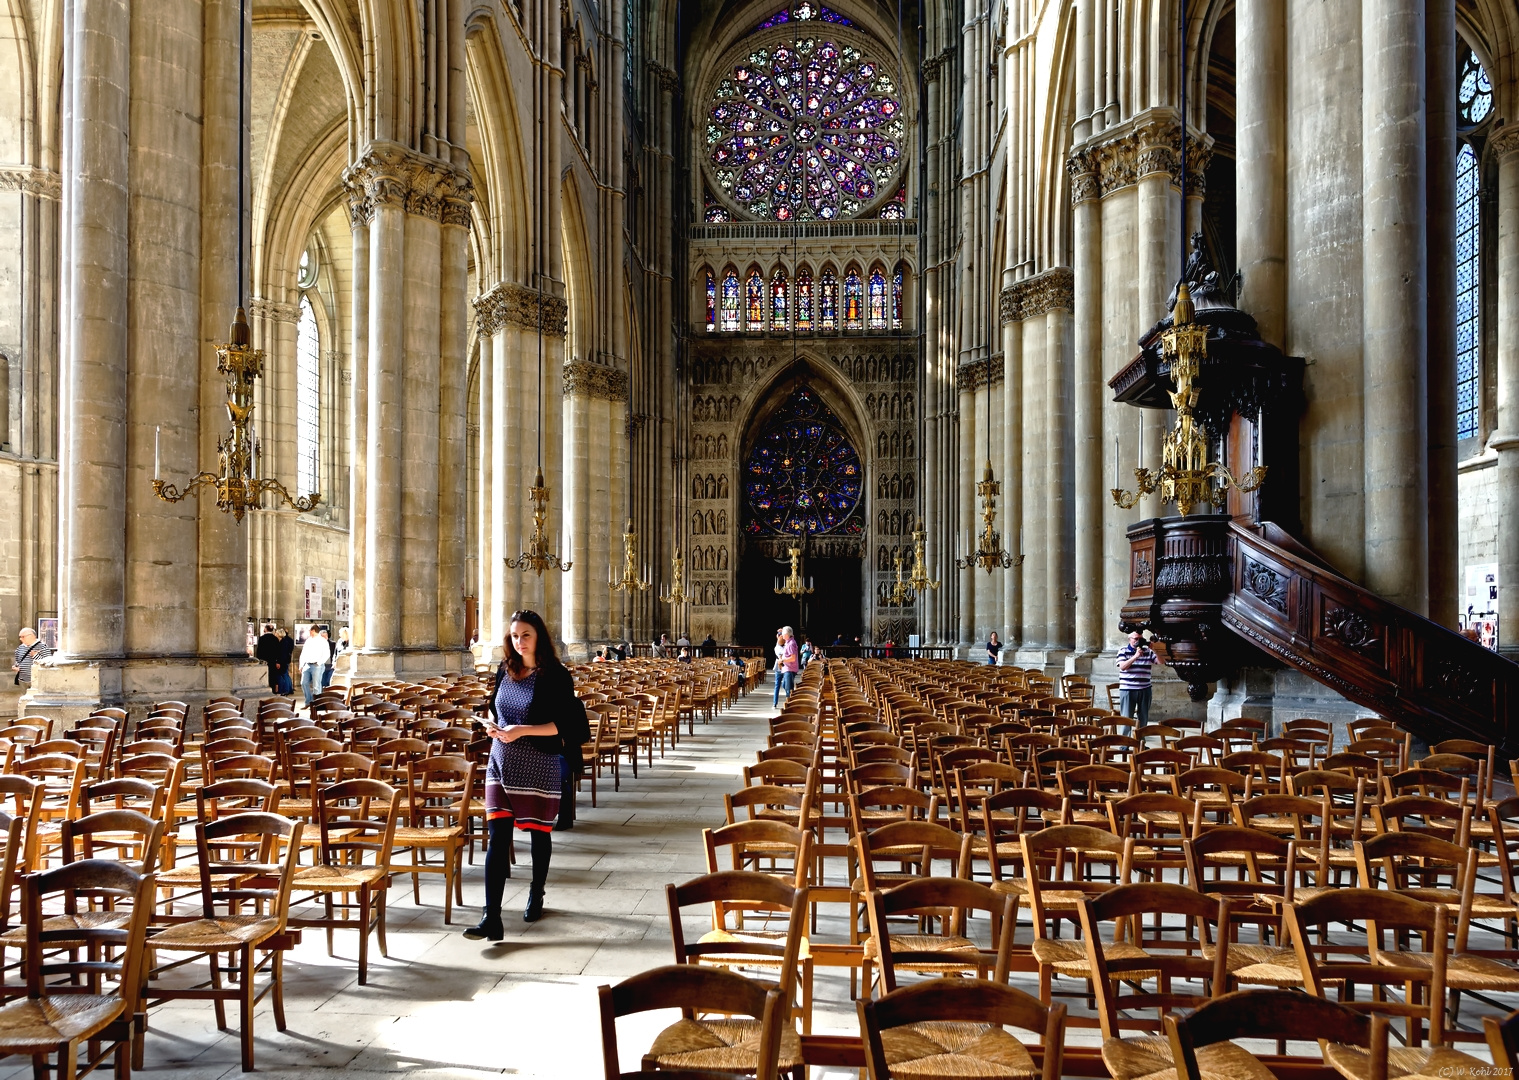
(315,651)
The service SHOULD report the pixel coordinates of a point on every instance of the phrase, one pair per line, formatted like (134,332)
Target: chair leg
(277,988)
(380,924)
(327,901)
(68,1061)
(245,1005)
(216,984)
(364,903)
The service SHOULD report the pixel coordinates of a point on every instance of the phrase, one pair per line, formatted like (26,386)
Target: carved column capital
(583,378)
(972,376)
(30,180)
(668,80)
(1120,156)
(388,174)
(935,64)
(261,308)
(1504,140)
(507,304)
(1054,289)
(1085,183)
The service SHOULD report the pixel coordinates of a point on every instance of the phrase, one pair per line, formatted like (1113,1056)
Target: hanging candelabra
(919,579)
(989,554)
(901,592)
(631,581)
(537,557)
(1186,477)
(238,489)
(794,585)
(675,595)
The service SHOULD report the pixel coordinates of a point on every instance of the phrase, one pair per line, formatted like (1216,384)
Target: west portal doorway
(832,612)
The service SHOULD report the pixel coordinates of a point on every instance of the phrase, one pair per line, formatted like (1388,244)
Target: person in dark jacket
(524,779)
(283,654)
(267,650)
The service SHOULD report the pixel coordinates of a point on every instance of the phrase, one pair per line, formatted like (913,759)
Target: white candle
(156,432)
(1115,461)
(1260,436)
(1020,540)
(1141,439)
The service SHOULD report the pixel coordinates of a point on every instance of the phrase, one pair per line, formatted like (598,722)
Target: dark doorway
(833,609)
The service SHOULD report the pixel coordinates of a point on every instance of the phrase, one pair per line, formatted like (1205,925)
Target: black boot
(543,846)
(489,927)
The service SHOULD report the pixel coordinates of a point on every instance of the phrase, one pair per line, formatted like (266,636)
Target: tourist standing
(1134,663)
(780,648)
(790,661)
(284,654)
(314,656)
(534,693)
(993,649)
(268,650)
(28,653)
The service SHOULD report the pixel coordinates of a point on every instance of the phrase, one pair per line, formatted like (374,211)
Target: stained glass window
(1468,292)
(1474,93)
(804,299)
(713,211)
(828,300)
(895,208)
(896,299)
(779,301)
(711,302)
(854,301)
(806,11)
(756,301)
(876,301)
(803,474)
(730,301)
(805,129)
(308,400)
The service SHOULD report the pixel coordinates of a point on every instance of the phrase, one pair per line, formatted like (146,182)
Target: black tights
(498,865)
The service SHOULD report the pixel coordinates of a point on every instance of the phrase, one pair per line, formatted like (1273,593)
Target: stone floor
(443,1007)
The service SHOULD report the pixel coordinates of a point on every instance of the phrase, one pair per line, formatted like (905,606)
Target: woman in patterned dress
(522,781)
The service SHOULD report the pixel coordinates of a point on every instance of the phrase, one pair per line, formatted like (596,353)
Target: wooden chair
(1057,860)
(1201,1046)
(950,952)
(785,951)
(67,1000)
(955,1027)
(1503,1040)
(357,822)
(1258,872)
(751,1039)
(437,800)
(1130,959)
(247,863)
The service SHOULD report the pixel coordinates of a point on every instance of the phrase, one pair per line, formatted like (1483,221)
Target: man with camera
(1134,663)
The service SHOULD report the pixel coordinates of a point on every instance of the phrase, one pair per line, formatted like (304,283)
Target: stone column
(485,544)
(970,523)
(1090,492)
(1159,268)
(222,605)
(577,507)
(1440,219)
(360,214)
(1395,291)
(419,447)
(1260,179)
(1505,440)
(1012,460)
(95,477)
(1059,588)
(452,437)
(1036,482)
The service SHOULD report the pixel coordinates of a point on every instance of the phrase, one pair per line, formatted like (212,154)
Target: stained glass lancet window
(804,129)
(780,315)
(896,299)
(756,301)
(804,299)
(308,399)
(711,302)
(803,473)
(730,301)
(1468,293)
(828,300)
(876,300)
(1474,104)
(854,301)
(806,11)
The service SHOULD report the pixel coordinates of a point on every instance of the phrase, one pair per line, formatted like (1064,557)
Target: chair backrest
(239,855)
(770,801)
(1273,1014)
(745,891)
(691,989)
(961,1001)
(98,952)
(129,836)
(920,843)
(929,898)
(357,818)
(438,789)
(749,840)
(1056,858)
(1503,1040)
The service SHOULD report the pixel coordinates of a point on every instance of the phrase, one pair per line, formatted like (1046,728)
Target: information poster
(341,597)
(313,598)
(47,633)
(1479,603)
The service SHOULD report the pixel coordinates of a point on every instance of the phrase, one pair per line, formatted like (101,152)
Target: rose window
(805,129)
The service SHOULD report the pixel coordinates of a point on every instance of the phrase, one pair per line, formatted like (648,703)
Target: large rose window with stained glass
(804,126)
(803,474)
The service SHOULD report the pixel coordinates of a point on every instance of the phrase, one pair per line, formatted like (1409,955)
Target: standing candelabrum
(1186,477)
(238,490)
(537,557)
(631,581)
(989,554)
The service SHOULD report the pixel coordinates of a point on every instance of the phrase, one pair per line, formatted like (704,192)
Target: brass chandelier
(631,581)
(795,585)
(919,579)
(237,488)
(537,557)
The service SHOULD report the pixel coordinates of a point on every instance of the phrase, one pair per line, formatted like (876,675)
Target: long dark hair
(545,655)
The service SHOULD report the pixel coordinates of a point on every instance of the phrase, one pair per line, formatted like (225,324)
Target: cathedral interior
(422,298)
